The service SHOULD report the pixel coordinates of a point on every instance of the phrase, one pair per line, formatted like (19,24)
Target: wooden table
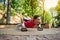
(31,34)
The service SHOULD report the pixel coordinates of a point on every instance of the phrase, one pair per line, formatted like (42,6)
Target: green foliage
(1,7)
(47,17)
(13,12)
(58,10)
(28,7)
(34,4)
(17,5)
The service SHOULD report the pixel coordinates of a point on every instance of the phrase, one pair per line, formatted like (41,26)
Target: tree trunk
(4,4)
(8,11)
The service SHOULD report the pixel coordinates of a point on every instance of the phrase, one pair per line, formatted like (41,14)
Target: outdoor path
(31,34)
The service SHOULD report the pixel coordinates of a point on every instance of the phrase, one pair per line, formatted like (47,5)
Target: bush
(47,17)
(13,12)
(1,7)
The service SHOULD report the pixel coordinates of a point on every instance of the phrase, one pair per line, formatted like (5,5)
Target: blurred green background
(29,8)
